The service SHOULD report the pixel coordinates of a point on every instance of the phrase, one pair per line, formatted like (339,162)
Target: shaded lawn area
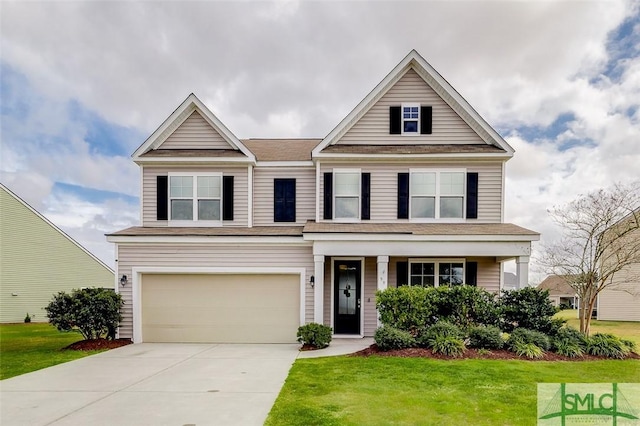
(407,391)
(624,329)
(29,347)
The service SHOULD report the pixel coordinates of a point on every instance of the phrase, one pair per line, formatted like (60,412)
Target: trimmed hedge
(485,337)
(314,334)
(441,329)
(389,338)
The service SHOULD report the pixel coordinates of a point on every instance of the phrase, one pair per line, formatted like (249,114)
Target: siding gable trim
(184,111)
(416,62)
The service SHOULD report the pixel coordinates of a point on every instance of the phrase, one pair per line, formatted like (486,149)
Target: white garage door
(220,308)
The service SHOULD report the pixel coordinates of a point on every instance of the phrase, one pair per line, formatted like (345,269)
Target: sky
(83,84)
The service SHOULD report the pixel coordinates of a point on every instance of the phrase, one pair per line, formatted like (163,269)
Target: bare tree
(600,240)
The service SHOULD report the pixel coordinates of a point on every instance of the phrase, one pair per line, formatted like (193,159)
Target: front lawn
(29,347)
(406,391)
(623,329)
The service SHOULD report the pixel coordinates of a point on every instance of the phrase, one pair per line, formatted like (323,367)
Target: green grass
(624,329)
(421,391)
(29,347)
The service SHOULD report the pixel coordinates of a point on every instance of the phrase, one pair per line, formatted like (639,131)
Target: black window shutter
(426,114)
(402,273)
(328,196)
(162,197)
(227,197)
(471,273)
(472,195)
(403,195)
(284,200)
(366,196)
(395,120)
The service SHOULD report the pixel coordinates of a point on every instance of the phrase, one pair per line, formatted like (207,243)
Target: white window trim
(409,105)
(437,261)
(195,222)
(347,219)
(438,196)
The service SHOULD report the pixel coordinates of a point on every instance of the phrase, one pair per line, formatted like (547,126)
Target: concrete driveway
(153,384)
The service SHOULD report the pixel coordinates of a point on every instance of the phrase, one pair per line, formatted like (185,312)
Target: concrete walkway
(159,384)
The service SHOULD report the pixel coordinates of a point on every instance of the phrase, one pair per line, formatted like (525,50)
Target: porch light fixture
(312,281)
(123,280)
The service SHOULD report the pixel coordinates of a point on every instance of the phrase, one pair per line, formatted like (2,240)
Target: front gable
(451,121)
(192,131)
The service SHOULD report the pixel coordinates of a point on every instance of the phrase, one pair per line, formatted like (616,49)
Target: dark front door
(346,296)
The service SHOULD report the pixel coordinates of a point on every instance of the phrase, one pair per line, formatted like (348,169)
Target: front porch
(353,261)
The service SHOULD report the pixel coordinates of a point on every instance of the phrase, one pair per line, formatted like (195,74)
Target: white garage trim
(137,280)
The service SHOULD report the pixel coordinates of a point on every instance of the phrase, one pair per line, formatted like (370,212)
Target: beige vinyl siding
(620,304)
(211,255)
(149,194)
(448,127)
(384,186)
(263,193)
(195,133)
(38,261)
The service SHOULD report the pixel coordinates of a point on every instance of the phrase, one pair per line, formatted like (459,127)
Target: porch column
(522,271)
(383,274)
(318,290)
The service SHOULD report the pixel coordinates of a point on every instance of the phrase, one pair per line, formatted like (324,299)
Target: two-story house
(245,240)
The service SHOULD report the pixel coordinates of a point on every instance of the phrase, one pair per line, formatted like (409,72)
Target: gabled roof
(557,285)
(416,62)
(186,108)
(54,227)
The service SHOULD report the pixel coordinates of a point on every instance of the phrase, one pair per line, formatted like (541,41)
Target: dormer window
(410,119)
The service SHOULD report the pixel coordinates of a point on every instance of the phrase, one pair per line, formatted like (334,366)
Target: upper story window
(410,119)
(347,194)
(435,273)
(195,197)
(284,200)
(437,194)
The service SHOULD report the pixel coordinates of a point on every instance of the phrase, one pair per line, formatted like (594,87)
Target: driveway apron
(153,384)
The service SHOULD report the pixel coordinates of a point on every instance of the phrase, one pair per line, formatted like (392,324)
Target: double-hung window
(196,197)
(346,191)
(410,119)
(436,272)
(437,194)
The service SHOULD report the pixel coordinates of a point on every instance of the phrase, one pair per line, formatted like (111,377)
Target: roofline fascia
(206,239)
(196,160)
(372,236)
(47,221)
(409,157)
(309,163)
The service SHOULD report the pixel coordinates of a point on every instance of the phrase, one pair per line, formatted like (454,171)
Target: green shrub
(522,335)
(428,335)
(389,338)
(407,308)
(630,344)
(485,337)
(567,347)
(529,350)
(529,308)
(449,346)
(27,319)
(484,352)
(314,334)
(95,312)
(607,345)
(466,306)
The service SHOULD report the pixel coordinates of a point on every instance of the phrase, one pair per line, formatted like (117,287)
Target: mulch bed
(473,354)
(97,344)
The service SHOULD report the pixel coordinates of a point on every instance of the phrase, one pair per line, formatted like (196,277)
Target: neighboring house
(245,240)
(38,260)
(560,292)
(620,301)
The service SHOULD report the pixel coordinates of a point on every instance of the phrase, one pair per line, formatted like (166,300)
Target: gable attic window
(410,119)
(196,198)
